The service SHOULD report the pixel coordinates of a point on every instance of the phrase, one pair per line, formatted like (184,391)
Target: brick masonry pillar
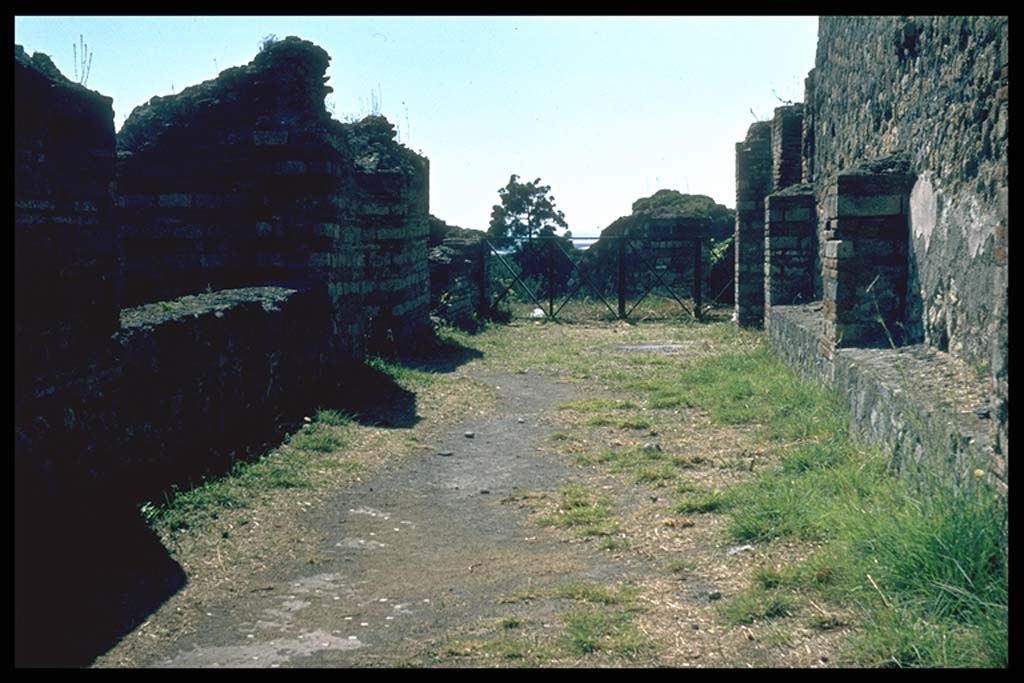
(864,265)
(787,131)
(807,133)
(790,245)
(753,183)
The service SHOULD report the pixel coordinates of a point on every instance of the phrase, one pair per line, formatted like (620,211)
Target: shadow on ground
(87,571)
(374,398)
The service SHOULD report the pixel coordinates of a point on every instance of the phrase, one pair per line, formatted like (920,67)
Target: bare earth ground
(435,554)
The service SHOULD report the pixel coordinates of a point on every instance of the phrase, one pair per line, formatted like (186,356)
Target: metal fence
(615,276)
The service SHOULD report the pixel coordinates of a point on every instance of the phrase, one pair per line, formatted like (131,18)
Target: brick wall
(934,88)
(753,184)
(864,267)
(458,277)
(787,145)
(391,206)
(790,245)
(65,266)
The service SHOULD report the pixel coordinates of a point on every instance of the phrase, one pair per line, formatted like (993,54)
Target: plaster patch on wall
(923,209)
(978,221)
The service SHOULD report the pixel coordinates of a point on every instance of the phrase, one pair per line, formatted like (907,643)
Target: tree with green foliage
(526,210)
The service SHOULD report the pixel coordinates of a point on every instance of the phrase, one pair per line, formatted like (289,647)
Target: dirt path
(408,555)
(441,557)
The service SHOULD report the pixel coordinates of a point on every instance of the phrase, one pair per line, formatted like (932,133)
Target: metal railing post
(698,276)
(622,276)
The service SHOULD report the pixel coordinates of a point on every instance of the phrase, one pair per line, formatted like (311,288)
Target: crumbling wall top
(46,100)
(283,85)
(760,130)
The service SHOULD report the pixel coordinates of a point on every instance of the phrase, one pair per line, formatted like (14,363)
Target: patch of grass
(932,565)
(777,578)
(758,605)
(592,630)
(589,592)
(281,469)
(191,508)
(688,461)
(703,502)
(749,387)
(775,506)
(826,622)
(561,436)
(316,438)
(509,623)
(680,566)
(636,423)
(648,465)
(656,475)
(926,566)
(615,543)
(663,393)
(583,512)
(598,404)
(333,418)
(401,374)
(817,455)
(599,421)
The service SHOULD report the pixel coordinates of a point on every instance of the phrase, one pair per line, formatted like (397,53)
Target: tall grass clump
(753,386)
(922,561)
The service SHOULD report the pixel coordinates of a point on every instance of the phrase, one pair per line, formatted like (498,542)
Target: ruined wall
(245,180)
(787,146)
(935,89)
(391,206)
(242,181)
(458,274)
(790,244)
(927,408)
(65,266)
(185,387)
(753,184)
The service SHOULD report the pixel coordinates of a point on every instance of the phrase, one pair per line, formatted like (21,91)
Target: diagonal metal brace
(514,275)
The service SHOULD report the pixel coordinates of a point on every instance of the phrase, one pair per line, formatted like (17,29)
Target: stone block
(849,205)
(263,138)
(174,201)
(799,214)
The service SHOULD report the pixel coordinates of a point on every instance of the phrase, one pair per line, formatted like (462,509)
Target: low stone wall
(927,407)
(185,387)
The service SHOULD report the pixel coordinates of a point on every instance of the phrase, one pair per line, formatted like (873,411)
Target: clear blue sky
(603,109)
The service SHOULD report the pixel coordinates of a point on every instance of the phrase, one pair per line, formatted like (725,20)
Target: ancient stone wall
(292,237)
(787,145)
(391,207)
(458,277)
(936,90)
(753,184)
(864,264)
(185,387)
(65,264)
(905,142)
(790,245)
(926,407)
